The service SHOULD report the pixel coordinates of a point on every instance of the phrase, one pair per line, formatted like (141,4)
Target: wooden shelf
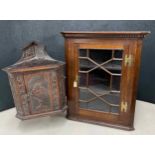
(113,67)
(109,66)
(100,89)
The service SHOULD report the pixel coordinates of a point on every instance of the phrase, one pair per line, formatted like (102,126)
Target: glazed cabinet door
(101,82)
(99,76)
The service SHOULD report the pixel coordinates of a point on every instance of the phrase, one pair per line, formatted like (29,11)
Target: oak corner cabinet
(102,74)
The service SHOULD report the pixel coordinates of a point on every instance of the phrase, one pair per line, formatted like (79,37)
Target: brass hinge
(128,60)
(124,106)
(75,83)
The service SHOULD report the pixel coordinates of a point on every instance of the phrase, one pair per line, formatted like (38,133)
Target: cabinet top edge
(105,34)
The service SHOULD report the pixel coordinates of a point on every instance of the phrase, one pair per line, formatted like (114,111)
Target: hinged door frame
(113,44)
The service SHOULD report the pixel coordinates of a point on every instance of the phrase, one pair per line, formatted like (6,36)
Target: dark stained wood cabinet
(37,83)
(102,73)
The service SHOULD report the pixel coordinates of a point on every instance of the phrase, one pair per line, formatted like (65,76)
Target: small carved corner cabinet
(102,74)
(37,83)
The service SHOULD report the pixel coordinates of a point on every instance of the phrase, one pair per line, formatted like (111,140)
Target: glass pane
(95,105)
(85,95)
(116,83)
(114,66)
(99,79)
(118,54)
(112,98)
(85,64)
(82,79)
(99,56)
(82,52)
(114,109)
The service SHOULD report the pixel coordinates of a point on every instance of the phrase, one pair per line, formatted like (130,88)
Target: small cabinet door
(102,82)
(42,89)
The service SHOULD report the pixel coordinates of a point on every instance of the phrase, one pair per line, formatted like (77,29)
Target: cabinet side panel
(62,91)
(70,67)
(137,61)
(54,90)
(130,86)
(15,93)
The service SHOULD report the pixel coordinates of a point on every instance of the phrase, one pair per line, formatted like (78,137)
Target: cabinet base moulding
(63,110)
(117,126)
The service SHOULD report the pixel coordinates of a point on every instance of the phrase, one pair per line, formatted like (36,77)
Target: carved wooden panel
(22,93)
(55,90)
(36,82)
(37,91)
(16,97)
